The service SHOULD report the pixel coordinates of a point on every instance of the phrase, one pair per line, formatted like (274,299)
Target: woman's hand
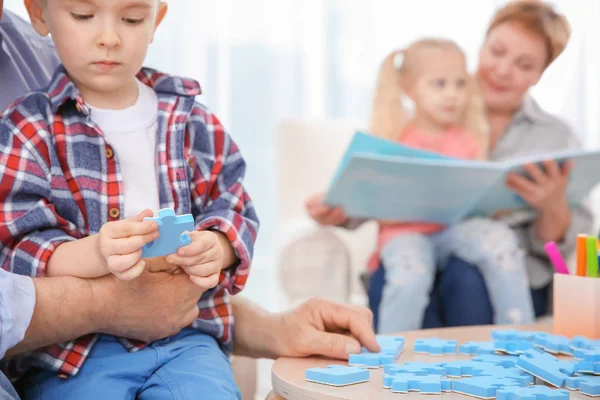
(323,214)
(546,191)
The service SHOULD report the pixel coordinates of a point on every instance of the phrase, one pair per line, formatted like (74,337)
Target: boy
(82,158)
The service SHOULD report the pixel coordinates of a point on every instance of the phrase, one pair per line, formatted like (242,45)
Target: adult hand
(322,213)
(322,327)
(546,189)
(150,307)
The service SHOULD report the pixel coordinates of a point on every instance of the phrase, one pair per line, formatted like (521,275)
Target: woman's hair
(539,17)
(390,115)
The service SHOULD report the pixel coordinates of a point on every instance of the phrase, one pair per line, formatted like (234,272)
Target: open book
(381,179)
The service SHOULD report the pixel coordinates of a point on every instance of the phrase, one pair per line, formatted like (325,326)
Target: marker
(556,258)
(581,255)
(592,257)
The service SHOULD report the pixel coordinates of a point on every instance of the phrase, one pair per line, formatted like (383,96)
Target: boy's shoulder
(29,110)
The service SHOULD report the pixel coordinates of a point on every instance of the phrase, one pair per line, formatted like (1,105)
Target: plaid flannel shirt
(60,181)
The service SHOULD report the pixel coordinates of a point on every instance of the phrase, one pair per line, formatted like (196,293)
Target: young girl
(105,144)
(447,118)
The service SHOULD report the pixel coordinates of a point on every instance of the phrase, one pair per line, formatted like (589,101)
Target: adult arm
(153,306)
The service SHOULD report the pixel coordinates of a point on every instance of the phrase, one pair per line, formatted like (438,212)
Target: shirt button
(114,213)
(191,162)
(109,153)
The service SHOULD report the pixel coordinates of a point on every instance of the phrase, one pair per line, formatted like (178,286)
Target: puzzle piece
(590,363)
(458,369)
(588,355)
(583,343)
(554,344)
(371,360)
(587,367)
(512,335)
(499,372)
(546,367)
(390,344)
(414,368)
(172,230)
(537,392)
(501,360)
(587,384)
(513,347)
(426,384)
(484,387)
(388,379)
(475,348)
(337,375)
(435,346)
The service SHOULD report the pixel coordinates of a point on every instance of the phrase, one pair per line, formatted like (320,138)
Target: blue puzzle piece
(590,363)
(388,379)
(475,348)
(587,384)
(588,355)
(391,344)
(426,384)
(337,375)
(546,367)
(414,368)
(554,344)
(435,346)
(583,343)
(458,369)
(537,392)
(172,230)
(587,367)
(501,360)
(499,372)
(513,347)
(511,335)
(484,387)
(371,360)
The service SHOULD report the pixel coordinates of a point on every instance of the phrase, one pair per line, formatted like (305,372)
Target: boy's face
(102,43)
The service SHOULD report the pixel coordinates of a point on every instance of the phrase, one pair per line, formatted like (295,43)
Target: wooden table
(288,380)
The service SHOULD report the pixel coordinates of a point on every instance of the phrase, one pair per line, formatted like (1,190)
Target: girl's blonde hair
(390,116)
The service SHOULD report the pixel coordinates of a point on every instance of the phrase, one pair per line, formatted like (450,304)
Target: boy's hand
(202,259)
(120,244)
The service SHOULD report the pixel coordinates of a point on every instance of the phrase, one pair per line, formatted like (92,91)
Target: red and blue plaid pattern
(60,181)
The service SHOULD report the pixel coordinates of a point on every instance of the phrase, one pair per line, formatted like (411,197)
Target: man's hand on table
(322,327)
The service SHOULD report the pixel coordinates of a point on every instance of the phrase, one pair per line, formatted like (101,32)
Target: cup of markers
(576,296)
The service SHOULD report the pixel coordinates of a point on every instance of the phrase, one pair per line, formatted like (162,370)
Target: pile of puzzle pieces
(514,365)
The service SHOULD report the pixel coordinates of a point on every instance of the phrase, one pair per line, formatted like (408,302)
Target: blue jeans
(412,260)
(7,392)
(189,365)
(459,297)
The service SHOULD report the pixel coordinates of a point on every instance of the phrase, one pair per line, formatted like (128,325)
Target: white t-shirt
(132,135)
